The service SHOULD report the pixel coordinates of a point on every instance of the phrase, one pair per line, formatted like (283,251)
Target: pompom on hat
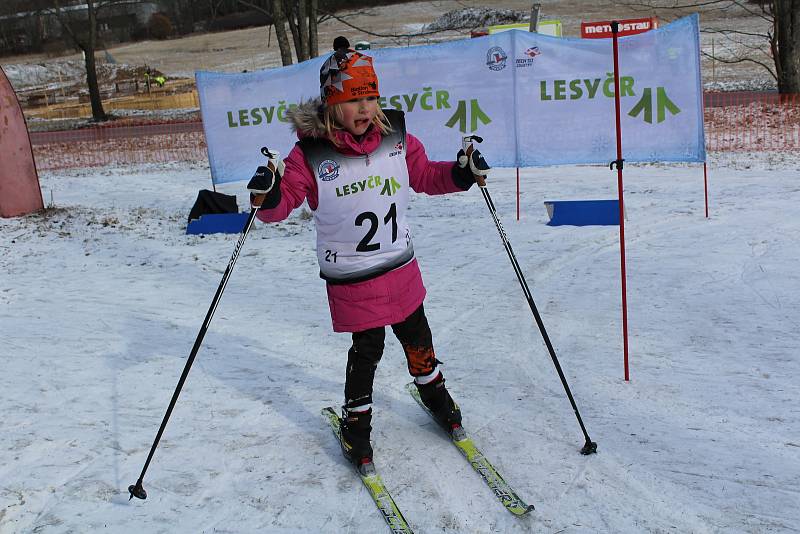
(346,75)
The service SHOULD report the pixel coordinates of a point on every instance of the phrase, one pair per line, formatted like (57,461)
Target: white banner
(536,100)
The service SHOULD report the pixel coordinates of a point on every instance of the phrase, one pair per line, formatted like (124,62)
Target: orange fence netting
(734,121)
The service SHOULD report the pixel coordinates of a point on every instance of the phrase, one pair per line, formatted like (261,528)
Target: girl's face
(357,114)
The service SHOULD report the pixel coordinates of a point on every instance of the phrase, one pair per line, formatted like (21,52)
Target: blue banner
(537,100)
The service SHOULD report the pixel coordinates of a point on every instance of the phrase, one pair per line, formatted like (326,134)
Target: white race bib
(360,219)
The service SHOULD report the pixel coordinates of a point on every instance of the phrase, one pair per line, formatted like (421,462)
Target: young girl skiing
(354,163)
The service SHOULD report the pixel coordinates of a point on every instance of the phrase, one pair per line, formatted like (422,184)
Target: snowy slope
(102,297)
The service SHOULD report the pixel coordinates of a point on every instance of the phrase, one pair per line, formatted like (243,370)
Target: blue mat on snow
(582,212)
(216,223)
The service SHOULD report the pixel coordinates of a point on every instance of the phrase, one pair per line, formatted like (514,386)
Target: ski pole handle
(466,144)
(276,166)
(272,156)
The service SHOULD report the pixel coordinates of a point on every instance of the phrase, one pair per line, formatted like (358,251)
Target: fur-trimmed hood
(306,118)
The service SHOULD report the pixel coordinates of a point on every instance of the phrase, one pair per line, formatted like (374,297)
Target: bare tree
(83,33)
(298,23)
(213,8)
(275,12)
(302,16)
(776,47)
(397,38)
(786,47)
(79,22)
(313,21)
(279,20)
(185,13)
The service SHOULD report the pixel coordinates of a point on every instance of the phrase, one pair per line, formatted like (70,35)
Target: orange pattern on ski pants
(414,335)
(421,360)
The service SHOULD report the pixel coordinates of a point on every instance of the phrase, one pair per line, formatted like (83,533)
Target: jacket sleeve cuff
(463,178)
(271,201)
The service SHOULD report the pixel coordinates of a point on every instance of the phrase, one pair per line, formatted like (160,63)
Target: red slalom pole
(705,184)
(518,193)
(619,164)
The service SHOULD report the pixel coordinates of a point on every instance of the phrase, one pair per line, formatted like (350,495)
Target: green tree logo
(390,187)
(461,115)
(663,104)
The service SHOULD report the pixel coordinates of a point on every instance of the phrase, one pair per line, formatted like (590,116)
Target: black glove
(468,167)
(266,182)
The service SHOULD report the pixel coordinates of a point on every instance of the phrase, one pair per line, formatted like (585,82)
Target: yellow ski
(374,484)
(504,493)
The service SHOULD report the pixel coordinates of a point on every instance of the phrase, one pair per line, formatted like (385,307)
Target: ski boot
(435,396)
(354,439)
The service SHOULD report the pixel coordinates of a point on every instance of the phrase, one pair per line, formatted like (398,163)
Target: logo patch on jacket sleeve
(328,170)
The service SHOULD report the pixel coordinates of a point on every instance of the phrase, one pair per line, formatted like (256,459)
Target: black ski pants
(414,335)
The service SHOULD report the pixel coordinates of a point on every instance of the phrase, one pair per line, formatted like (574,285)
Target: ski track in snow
(102,297)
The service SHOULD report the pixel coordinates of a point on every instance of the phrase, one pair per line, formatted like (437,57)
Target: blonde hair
(332,118)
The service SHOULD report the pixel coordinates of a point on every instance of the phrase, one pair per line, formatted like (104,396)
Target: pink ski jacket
(390,297)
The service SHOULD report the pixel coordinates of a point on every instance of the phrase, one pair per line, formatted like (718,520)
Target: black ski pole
(137,490)
(590,446)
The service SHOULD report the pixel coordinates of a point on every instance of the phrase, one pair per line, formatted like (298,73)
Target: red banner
(600,30)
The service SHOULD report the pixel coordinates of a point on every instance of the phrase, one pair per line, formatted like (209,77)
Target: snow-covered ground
(101,299)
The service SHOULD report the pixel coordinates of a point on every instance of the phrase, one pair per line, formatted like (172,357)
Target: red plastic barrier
(19,182)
